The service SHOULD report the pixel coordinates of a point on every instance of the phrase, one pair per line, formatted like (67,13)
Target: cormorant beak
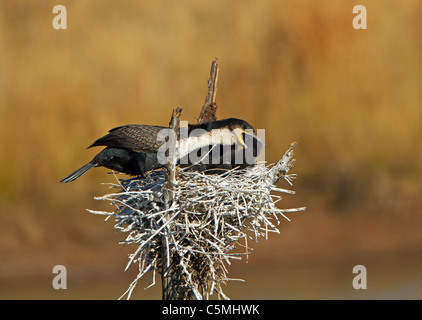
(240,138)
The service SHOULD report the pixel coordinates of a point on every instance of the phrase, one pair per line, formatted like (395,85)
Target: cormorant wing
(135,137)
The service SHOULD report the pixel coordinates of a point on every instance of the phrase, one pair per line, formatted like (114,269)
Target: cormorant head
(245,134)
(242,130)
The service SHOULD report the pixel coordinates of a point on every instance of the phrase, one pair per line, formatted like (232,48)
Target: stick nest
(208,223)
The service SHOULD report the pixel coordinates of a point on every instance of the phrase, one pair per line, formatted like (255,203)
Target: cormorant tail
(77,173)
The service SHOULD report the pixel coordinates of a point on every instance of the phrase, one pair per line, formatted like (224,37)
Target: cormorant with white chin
(135,149)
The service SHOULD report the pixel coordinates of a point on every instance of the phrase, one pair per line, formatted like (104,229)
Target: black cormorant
(137,149)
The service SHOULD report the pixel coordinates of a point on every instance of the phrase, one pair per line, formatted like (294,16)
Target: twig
(282,167)
(208,112)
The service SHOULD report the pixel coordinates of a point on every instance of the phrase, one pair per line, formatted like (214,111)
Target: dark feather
(139,138)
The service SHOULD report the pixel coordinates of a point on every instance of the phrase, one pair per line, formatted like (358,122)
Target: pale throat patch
(201,138)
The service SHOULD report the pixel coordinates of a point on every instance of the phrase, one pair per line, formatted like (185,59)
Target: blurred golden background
(350,98)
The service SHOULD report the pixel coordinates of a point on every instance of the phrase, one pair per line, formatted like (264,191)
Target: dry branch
(208,111)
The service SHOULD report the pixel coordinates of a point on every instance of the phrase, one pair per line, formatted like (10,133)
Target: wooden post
(170,170)
(170,278)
